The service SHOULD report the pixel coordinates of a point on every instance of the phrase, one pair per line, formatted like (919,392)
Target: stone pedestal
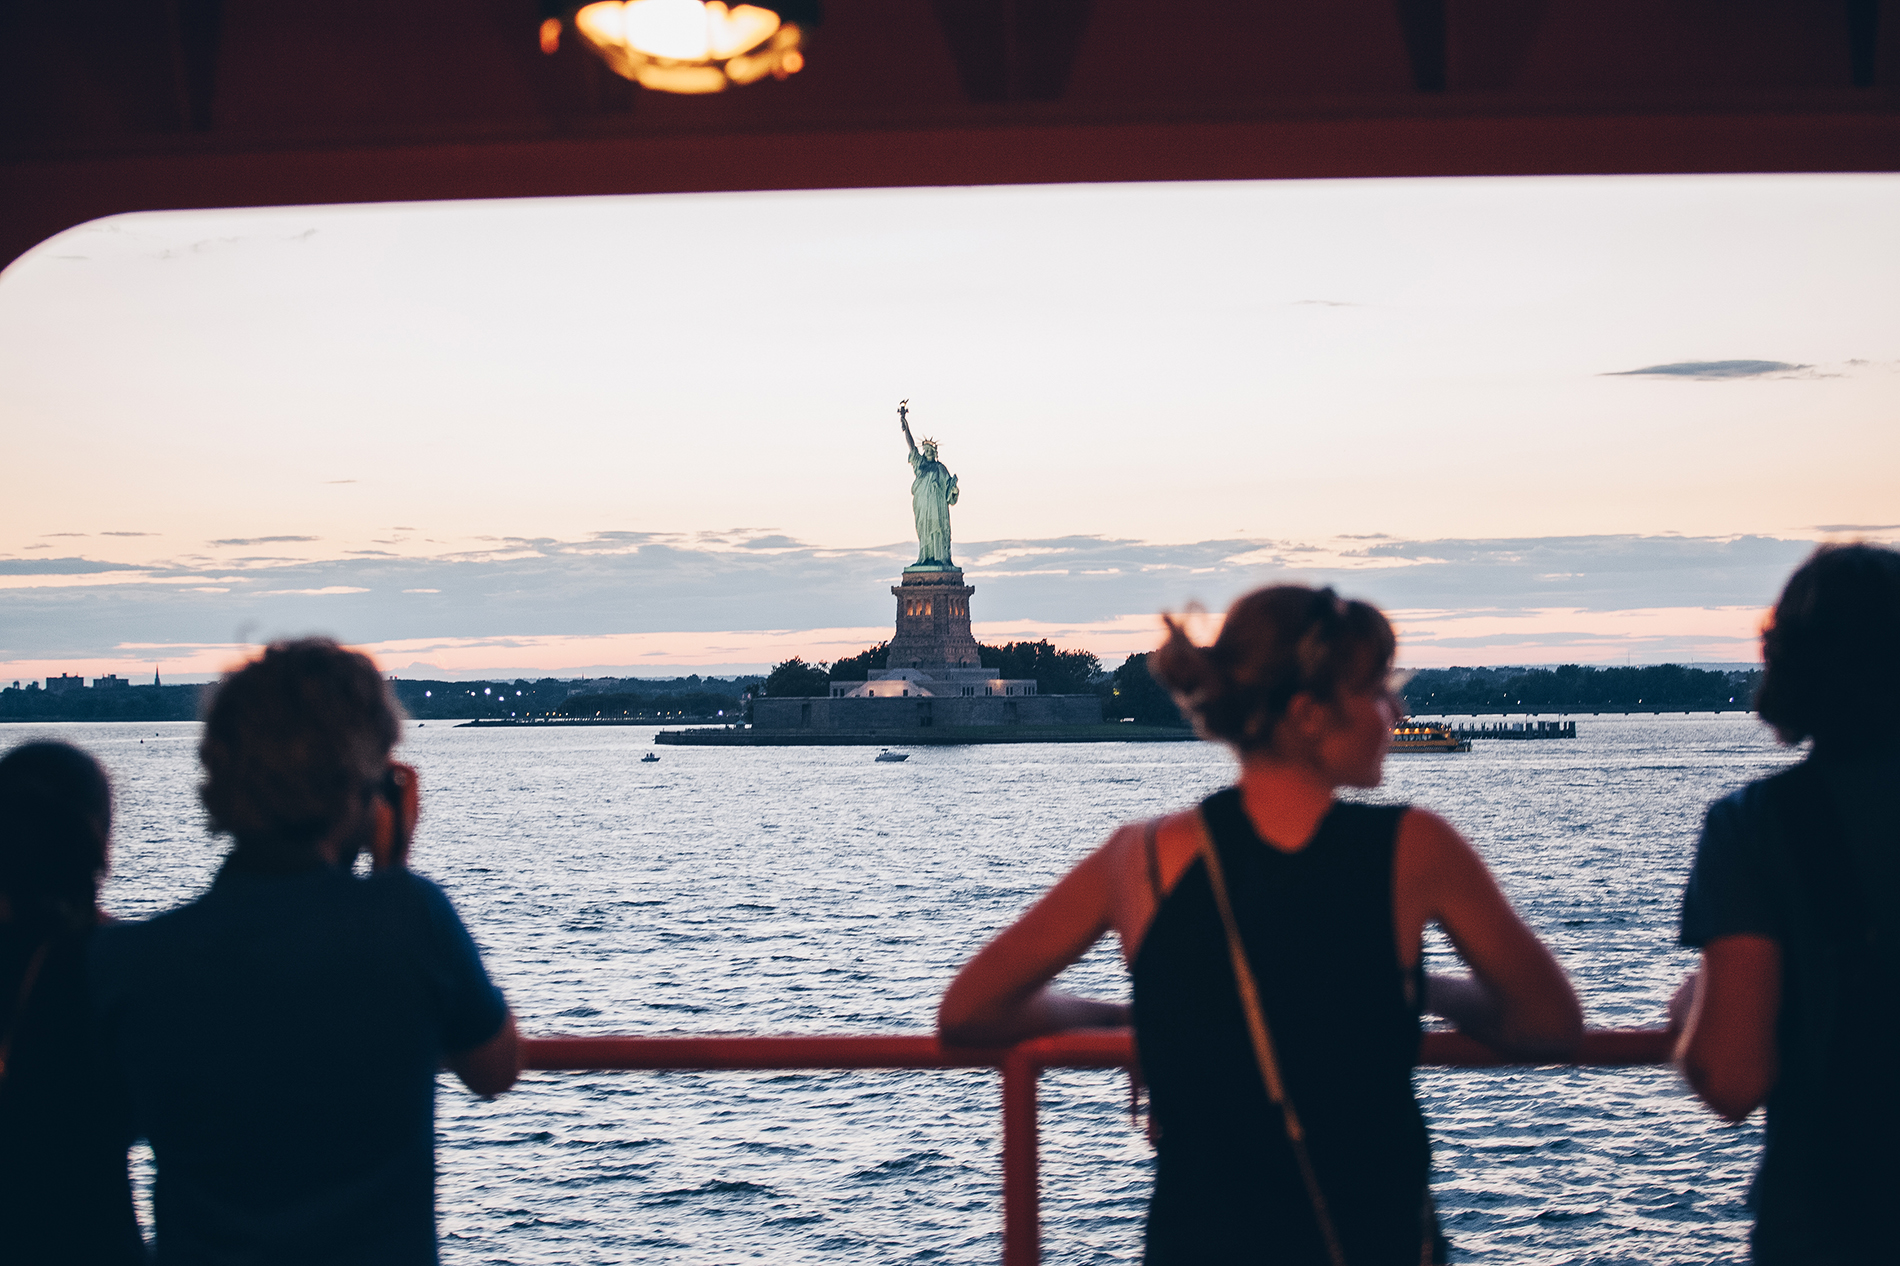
(933,620)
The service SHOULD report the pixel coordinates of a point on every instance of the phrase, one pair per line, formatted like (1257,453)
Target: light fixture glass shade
(690,46)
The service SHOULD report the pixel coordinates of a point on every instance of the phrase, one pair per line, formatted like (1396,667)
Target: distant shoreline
(1573,710)
(940,736)
(542,723)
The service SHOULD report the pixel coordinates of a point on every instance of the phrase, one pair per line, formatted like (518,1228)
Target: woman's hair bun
(1275,643)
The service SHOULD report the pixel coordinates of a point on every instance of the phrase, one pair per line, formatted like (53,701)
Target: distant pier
(1517,730)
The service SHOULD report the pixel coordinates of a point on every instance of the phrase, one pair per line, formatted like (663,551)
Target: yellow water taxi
(1426,736)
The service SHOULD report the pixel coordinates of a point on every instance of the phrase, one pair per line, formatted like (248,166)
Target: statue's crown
(926,442)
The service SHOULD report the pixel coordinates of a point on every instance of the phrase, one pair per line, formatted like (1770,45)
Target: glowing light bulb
(674,29)
(735,31)
(690,46)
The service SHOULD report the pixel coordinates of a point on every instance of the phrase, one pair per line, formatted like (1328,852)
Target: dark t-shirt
(1811,859)
(64,1124)
(281,1036)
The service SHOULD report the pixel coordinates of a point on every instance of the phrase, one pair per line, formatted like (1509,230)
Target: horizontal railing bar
(1019,1065)
(1083,1048)
(732,1051)
(1600,1048)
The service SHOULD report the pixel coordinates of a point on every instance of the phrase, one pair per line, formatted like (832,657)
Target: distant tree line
(126,703)
(686,703)
(550,697)
(1130,692)
(1576,688)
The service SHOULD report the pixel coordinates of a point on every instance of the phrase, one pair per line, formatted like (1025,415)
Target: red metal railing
(1091,1048)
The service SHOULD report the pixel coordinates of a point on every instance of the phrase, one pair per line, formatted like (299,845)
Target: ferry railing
(1020,1065)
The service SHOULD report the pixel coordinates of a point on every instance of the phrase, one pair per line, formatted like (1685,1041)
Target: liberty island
(934,687)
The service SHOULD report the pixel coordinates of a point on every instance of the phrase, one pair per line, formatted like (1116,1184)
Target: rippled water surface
(809,890)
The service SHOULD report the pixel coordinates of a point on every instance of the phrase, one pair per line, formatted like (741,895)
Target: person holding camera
(280,1034)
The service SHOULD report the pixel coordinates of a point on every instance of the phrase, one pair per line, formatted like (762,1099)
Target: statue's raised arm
(903,420)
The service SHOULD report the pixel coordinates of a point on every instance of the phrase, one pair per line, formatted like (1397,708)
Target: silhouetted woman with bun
(1273,936)
(64,1126)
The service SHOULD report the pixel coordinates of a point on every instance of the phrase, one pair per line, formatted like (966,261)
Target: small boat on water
(648,759)
(888,754)
(1426,736)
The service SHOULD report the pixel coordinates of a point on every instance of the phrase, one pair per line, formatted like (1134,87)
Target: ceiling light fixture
(691,46)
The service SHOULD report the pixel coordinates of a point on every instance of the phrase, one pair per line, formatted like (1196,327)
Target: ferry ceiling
(133,105)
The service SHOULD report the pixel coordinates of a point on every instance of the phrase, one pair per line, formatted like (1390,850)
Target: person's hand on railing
(1046,1010)
(1480,1013)
(1004,994)
(1680,1004)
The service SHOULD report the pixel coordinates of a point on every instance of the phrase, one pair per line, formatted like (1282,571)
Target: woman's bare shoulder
(1432,852)
(1142,874)
(1177,843)
(1136,864)
(1424,832)
(1130,839)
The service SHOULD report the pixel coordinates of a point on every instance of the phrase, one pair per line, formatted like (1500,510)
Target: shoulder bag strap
(1263,1043)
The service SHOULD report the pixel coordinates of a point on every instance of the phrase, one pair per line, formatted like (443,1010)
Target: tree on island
(796,678)
(1055,672)
(860,666)
(1140,698)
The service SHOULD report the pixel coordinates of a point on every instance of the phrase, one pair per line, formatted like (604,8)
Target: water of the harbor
(809,890)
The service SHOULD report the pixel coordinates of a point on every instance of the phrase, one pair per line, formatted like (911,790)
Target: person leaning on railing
(1794,901)
(65,1199)
(281,1033)
(1282,1105)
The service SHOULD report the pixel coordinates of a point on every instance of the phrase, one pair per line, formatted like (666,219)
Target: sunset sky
(1540,420)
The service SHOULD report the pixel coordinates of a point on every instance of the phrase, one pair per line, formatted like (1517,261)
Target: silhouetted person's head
(55,831)
(1276,643)
(296,744)
(1832,651)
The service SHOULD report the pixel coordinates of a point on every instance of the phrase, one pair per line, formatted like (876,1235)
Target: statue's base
(933,619)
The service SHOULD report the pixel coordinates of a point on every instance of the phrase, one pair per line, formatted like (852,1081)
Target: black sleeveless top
(1318,929)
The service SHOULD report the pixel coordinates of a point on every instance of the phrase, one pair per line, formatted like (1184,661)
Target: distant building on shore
(110,681)
(64,682)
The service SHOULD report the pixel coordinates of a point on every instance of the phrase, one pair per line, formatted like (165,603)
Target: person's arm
(492,1067)
(905,423)
(468,998)
(1002,995)
(1517,1000)
(1727,1045)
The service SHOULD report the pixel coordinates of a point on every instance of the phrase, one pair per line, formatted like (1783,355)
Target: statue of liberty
(933,490)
